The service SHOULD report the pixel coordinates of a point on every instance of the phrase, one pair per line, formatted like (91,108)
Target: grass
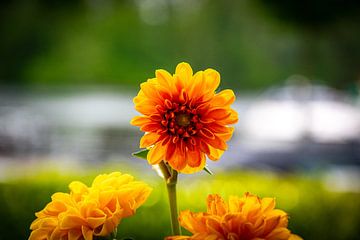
(315,212)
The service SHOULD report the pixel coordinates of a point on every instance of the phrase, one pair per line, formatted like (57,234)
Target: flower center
(183,120)
(180,121)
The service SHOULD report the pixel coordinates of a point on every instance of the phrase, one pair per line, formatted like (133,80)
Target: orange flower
(184,118)
(245,218)
(89,211)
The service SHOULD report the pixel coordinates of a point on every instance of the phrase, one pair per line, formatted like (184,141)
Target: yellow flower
(184,119)
(90,211)
(245,218)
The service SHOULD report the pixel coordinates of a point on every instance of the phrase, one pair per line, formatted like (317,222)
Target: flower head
(90,211)
(184,119)
(247,217)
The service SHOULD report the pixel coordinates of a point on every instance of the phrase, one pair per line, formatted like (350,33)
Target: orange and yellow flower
(86,212)
(245,218)
(184,119)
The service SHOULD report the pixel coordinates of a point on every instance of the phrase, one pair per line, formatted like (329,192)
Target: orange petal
(178,161)
(94,222)
(187,169)
(58,234)
(216,143)
(279,234)
(215,127)
(232,119)
(223,98)
(39,233)
(193,158)
(226,136)
(178,238)
(270,224)
(204,147)
(215,154)
(156,154)
(295,237)
(140,120)
(151,127)
(146,107)
(74,234)
(149,139)
(193,222)
(149,90)
(267,204)
(206,133)
(87,233)
(216,205)
(170,150)
(218,114)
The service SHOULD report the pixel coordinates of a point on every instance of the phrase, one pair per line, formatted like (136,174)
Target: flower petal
(149,139)
(156,154)
(215,154)
(212,79)
(184,72)
(223,98)
(139,121)
(216,205)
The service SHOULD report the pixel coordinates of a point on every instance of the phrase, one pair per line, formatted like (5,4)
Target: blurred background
(69,71)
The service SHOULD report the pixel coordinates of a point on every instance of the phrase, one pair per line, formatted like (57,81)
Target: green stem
(113,234)
(170,176)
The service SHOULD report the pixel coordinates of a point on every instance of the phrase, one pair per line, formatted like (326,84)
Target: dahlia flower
(245,218)
(183,118)
(86,212)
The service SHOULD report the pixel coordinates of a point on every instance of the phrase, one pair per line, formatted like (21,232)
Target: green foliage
(142,154)
(315,212)
(120,43)
(207,169)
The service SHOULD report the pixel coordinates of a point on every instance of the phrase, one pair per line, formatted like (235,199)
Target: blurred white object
(294,113)
(333,122)
(270,120)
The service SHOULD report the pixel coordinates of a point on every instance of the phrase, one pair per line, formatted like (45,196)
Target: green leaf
(141,154)
(207,169)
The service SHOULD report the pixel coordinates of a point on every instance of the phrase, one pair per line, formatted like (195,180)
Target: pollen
(183,120)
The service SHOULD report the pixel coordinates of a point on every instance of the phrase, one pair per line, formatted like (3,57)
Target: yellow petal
(223,98)
(267,204)
(212,79)
(140,121)
(150,90)
(164,78)
(87,233)
(77,189)
(72,221)
(279,234)
(184,71)
(74,234)
(216,205)
(295,237)
(226,136)
(39,234)
(197,85)
(215,154)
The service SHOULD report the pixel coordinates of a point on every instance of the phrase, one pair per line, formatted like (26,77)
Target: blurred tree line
(120,42)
